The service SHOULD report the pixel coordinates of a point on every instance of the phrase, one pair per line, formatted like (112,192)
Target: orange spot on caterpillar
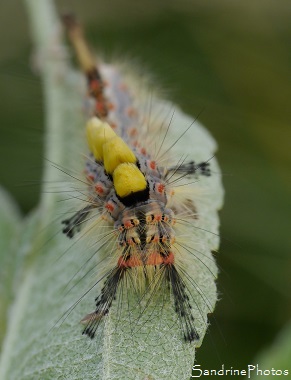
(128,224)
(155,259)
(90,177)
(130,242)
(158,218)
(101,108)
(155,239)
(160,188)
(99,188)
(170,259)
(129,263)
(95,87)
(166,218)
(109,206)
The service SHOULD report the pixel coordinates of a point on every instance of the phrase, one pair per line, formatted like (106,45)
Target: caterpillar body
(154,210)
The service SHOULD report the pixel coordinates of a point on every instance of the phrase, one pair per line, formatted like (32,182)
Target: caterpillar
(152,208)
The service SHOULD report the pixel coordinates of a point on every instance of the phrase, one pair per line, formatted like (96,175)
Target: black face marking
(136,197)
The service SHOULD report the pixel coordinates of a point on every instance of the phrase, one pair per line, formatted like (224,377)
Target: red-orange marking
(156,239)
(164,238)
(129,263)
(130,242)
(128,224)
(160,188)
(100,108)
(99,189)
(158,217)
(109,207)
(95,86)
(154,259)
(170,259)
(90,177)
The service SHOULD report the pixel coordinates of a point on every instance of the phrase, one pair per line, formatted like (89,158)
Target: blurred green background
(229,59)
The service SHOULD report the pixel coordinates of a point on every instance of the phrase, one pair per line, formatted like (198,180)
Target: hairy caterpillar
(151,211)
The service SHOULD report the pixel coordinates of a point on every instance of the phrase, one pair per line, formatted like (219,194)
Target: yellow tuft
(116,152)
(98,133)
(127,179)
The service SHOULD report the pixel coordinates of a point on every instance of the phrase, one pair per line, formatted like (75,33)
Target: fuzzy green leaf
(10,220)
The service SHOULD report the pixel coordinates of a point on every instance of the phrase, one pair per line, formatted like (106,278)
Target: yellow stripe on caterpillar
(127,179)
